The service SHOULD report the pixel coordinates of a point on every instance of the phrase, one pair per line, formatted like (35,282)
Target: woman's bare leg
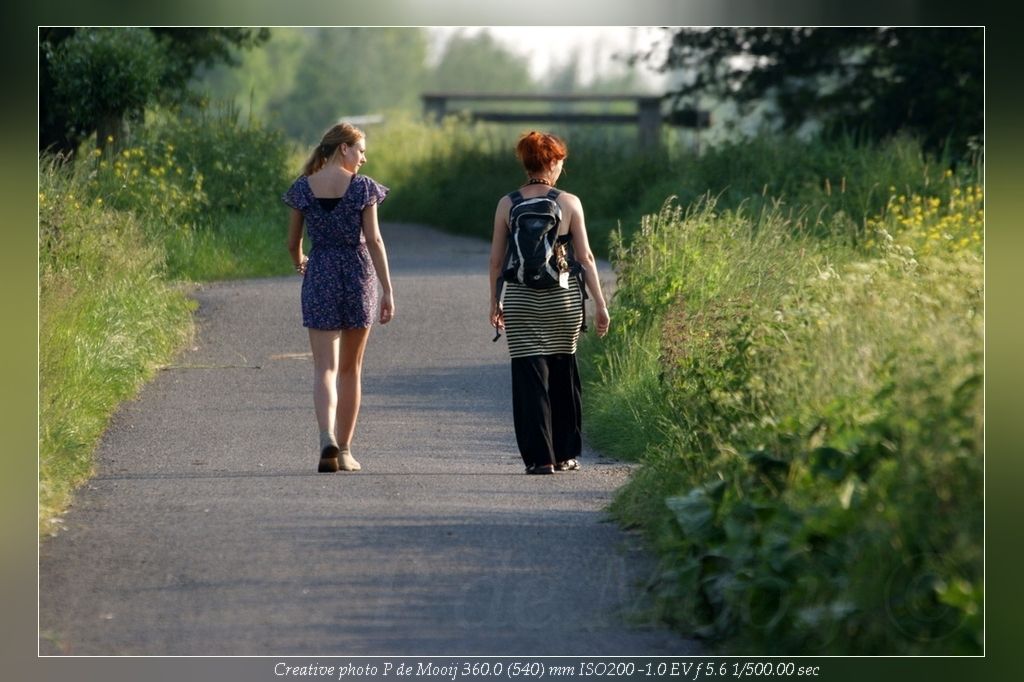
(350,376)
(325,344)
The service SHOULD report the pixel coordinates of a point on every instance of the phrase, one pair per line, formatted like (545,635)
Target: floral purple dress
(339,288)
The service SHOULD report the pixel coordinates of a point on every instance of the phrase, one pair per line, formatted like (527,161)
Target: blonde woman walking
(338,209)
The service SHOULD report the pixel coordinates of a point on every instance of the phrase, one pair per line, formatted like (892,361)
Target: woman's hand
(603,321)
(497,316)
(387,308)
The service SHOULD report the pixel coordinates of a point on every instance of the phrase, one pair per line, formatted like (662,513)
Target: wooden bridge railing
(647,117)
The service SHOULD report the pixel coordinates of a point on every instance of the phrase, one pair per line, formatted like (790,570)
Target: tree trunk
(109,133)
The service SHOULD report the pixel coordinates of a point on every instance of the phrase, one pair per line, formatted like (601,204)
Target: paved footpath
(207,530)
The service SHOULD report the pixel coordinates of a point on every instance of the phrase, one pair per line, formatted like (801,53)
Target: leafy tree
(479,63)
(260,76)
(625,81)
(352,71)
(564,78)
(102,75)
(189,49)
(926,81)
(92,78)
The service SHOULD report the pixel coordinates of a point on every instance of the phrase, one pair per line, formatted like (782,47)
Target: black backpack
(535,257)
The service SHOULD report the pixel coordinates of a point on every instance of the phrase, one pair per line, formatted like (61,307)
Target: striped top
(542,321)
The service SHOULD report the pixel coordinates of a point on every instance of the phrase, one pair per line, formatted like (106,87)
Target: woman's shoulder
(505,201)
(298,193)
(300,185)
(569,200)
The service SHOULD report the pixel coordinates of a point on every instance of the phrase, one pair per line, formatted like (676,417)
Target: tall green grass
(195,197)
(233,247)
(108,319)
(809,420)
(451,175)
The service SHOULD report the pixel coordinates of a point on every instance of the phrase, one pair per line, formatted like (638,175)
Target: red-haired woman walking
(543,324)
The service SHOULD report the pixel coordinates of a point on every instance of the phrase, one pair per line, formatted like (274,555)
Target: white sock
(327,438)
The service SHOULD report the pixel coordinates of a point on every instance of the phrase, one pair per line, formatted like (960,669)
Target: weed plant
(809,419)
(207,186)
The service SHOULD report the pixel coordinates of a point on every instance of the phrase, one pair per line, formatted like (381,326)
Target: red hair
(537,151)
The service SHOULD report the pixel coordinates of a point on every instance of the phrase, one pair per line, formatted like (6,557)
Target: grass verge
(121,237)
(809,421)
(108,320)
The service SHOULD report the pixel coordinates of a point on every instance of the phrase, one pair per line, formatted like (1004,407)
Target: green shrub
(147,182)
(204,185)
(811,424)
(242,165)
(189,169)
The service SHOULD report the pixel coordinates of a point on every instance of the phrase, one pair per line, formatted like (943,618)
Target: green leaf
(829,462)
(693,512)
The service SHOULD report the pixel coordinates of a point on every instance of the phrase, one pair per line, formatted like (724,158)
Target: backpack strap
(517,198)
(553,195)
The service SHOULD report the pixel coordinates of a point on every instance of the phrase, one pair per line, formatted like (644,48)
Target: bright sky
(551,46)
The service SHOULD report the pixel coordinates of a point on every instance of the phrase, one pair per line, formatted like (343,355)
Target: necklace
(537,181)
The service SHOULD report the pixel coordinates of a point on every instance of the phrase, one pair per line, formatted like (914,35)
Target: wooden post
(648,119)
(434,107)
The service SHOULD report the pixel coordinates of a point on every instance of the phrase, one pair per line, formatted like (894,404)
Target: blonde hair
(343,133)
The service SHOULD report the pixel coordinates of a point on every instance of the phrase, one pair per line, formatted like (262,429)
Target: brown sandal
(328,460)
